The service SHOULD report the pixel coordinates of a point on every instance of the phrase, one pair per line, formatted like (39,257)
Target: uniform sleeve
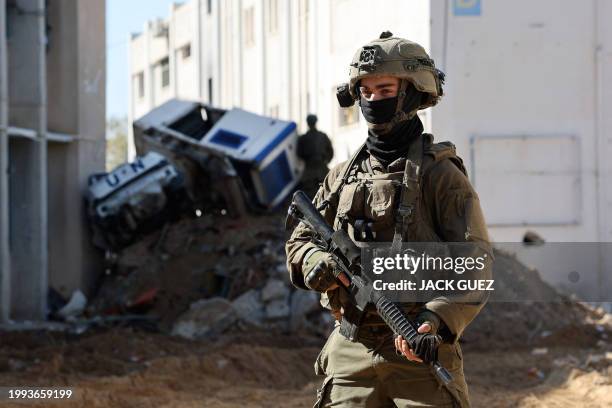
(301,239)
(459,219)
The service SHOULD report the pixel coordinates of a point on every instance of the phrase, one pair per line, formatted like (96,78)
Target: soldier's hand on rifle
(426,346)
(318,269)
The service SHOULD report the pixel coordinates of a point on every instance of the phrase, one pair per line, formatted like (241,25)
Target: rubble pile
(207,275)
(204,276)
(562,321)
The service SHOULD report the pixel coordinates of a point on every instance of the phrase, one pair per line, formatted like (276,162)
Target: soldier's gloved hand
(318,269)
(424,347)
(427,317)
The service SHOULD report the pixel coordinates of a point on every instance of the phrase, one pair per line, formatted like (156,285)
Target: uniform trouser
(369,373)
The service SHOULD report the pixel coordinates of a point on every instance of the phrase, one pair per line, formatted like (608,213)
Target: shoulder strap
(436,152)
(334,192)
(408,201)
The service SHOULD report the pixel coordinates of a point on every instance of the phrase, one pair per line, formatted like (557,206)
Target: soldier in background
(315,148)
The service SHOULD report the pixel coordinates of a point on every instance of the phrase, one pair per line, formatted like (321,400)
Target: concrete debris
(275,290)
(204,318)
(75,306)
(536,373)
(16,365)
(596,359)
(277,309)
(540,351)
(302,303)
(281,270)
(558,322)
(249,307)
(567,361)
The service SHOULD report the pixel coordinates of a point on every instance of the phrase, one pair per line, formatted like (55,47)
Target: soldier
(392,78)
(315,148)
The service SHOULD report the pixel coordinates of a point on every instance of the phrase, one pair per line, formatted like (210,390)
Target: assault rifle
(361,291)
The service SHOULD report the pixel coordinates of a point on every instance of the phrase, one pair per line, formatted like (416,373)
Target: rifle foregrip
(396,320)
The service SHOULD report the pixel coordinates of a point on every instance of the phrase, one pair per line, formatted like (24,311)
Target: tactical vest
(386,207)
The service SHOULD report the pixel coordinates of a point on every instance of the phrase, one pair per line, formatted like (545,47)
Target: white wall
(183,34)
(519,74)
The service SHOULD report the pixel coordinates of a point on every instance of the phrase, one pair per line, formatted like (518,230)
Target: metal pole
(5,275)
(43,287)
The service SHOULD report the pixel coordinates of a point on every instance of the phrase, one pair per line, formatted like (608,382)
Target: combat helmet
(398,57)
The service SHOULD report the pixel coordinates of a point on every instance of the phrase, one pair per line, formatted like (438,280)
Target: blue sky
(122,18)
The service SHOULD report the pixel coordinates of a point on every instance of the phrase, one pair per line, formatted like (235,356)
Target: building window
(185,51)
(139,84)
(209,6)
(210,91)
(249,26)
(272,16)
(165,72)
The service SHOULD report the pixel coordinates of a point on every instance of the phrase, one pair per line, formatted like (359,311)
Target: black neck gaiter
(395,144)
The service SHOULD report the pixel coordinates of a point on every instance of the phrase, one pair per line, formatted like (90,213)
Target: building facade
(275,57)
(52,137)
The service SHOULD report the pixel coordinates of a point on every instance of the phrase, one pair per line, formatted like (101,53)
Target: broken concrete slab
(302,303)
(275,289)
(249,307)
(204,318)
(277,309)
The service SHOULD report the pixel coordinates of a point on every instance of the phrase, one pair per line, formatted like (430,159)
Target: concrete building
(52,137)
(275,57)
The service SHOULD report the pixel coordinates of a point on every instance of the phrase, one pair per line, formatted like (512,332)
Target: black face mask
(383,110)
(380,111)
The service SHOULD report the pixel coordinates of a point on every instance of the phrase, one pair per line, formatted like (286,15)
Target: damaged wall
(54,75)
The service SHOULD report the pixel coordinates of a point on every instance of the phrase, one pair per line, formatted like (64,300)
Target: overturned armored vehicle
(133,199)
(215,161)
(238,153)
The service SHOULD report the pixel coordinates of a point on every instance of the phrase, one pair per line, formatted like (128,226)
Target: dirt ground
(519,354)
(124,367)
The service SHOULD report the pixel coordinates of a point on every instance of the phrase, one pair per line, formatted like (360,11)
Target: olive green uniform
(368,372)
(315,148)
